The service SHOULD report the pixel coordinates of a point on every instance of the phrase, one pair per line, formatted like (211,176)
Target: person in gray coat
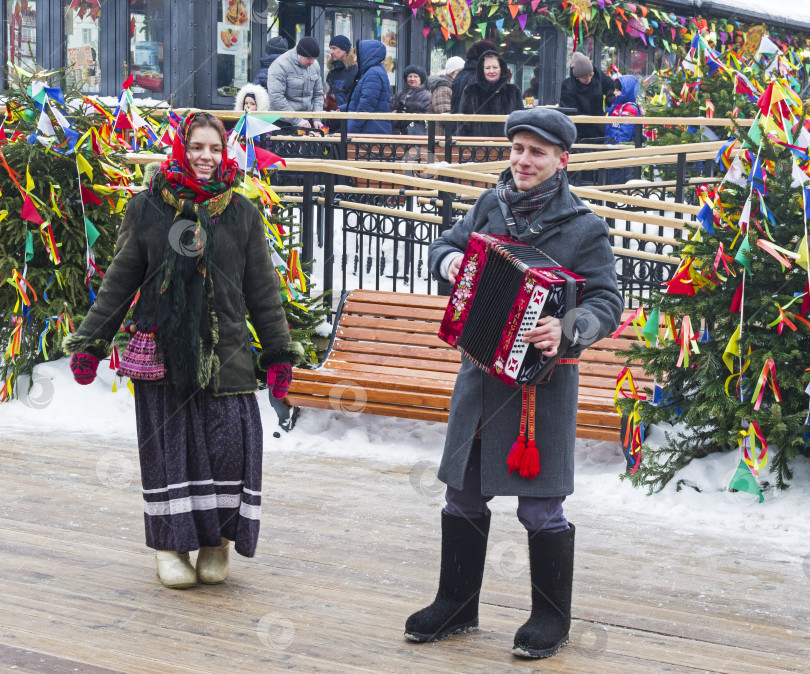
(294,83)
(485,413)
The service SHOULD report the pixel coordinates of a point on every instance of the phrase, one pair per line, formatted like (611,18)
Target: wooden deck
(349,548)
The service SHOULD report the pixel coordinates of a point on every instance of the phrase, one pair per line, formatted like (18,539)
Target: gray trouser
(534,512)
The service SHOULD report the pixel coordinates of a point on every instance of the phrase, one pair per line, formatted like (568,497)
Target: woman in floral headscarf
(197,255)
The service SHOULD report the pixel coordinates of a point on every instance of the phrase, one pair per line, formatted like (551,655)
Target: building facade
(200,52)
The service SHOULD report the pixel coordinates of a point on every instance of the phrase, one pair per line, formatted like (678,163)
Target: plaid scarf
(527,206)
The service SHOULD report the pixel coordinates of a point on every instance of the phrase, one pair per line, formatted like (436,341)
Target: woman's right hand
(83,366)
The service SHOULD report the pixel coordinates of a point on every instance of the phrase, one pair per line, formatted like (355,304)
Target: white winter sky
(796,10)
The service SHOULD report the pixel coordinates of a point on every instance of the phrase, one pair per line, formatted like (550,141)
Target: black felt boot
(551,559)
(455,609)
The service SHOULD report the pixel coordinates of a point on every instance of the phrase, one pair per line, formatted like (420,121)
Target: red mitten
(83,366)
(279,378)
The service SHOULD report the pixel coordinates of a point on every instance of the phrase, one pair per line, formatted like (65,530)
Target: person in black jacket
(468,74)
(590,92)
(274,48)
(341,77)
(491,94)
(413,99)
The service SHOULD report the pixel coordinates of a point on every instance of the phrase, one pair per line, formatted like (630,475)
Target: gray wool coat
(577,238)
(293,87)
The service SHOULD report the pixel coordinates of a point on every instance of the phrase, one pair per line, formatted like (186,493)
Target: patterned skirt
(201,468)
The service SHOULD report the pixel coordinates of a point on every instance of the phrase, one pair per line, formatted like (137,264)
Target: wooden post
(329,233)
(307,233)
(680,178)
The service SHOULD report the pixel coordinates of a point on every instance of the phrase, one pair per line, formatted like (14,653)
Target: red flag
(265,158)
(88,196)
(128,82)
(736,303)
(29,211)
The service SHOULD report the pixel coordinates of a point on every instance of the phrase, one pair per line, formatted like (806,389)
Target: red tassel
(530,464)
(515,458)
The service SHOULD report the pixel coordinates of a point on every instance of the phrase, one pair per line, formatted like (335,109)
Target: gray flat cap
(548,123)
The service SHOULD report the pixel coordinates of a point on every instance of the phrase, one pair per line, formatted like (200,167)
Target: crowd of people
(479,84)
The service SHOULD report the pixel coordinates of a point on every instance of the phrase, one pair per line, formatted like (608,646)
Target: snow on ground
(57,405)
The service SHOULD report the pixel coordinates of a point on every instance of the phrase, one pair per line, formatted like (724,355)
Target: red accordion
(502,289)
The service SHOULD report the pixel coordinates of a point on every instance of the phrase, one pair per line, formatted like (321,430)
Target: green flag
(743,255)
(29,247)
(92,232)
(744,480)
(650,330)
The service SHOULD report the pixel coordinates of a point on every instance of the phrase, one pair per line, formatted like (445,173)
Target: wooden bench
(385,358)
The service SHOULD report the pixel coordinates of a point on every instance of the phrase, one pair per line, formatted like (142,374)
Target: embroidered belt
(567,361)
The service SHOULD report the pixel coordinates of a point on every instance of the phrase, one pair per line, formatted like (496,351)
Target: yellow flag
(804,258)
(732,349)
(772,127)
(29,183)
(84,166)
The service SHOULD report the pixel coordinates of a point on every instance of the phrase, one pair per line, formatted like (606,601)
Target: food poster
(388,36)
(231,40)
(235,13)
(233,35)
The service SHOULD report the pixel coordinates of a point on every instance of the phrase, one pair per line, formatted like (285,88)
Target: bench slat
(391,310)
(375,376)
(436,366)
(421,413)
(371,394)
(397,350)
(368,335)
(401,299)
(394,324)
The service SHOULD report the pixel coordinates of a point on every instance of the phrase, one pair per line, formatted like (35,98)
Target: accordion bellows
(502,289)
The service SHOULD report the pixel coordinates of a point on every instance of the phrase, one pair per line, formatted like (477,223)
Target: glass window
(337,23)
(82,46)
(233,46)
(146,20)
(21,23)
(638,63)
(385,30)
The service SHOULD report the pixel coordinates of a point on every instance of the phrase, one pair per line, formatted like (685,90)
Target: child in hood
(624,105)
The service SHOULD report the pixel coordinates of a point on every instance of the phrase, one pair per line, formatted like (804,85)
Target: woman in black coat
(414,99)
(491,94)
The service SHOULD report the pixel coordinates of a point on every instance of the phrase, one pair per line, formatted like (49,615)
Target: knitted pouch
(142,360)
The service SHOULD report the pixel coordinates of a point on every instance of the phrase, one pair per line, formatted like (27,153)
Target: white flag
(736,173)
(799,176)
(745,216)
(45,125)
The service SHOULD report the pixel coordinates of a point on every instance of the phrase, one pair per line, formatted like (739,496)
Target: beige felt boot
(174,569)
(212,563)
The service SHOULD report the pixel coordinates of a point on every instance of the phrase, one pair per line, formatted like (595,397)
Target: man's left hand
(546,335)
(317,124)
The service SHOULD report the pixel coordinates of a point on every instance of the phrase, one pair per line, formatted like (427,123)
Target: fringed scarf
(527,206)
(186,322)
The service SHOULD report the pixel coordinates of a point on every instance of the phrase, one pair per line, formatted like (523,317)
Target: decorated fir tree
(60,169)
(728,339)
(305,309)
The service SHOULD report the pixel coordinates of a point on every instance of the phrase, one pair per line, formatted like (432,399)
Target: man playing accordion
(533,204)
